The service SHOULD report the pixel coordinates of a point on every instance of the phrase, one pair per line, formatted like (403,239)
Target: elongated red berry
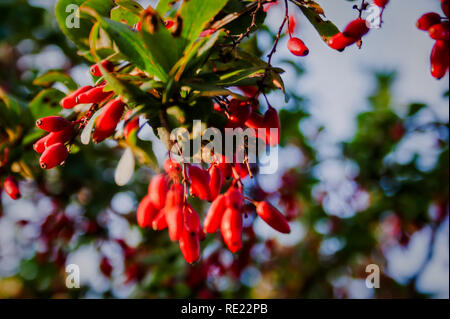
(231,229)
(234,198)
(240,111)
(428,20)
(297,47)
(94,95)
(107,121)
(190,246)
(273,125)
(52,123)
(70,101)
(60,136)
(216,182)
(39,146)
(273,217)
(160,222)
(146,212)
(53,156)
(439,59)
(356,29)
(175,222)
(175,196)
(439,31)
(339,41)
(157,190)
(214,216)
(199,179)
(445,4)
(95,70)
(11,187)
(381,3)
(191,220)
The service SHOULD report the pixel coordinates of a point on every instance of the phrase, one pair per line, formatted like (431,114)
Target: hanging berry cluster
(438,29)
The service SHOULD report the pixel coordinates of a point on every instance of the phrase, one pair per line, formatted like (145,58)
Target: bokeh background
(363,177)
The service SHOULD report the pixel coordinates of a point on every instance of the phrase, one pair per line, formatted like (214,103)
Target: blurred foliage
(75,203)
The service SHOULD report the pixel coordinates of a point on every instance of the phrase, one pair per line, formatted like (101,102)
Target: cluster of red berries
(166,206)
(52,147)
(438,29)
(352,33)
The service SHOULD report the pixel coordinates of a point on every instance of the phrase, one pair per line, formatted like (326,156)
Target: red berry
(175,196)
(146,212)
(191,220)
(445,7)
(107,121)
(11,187)
(189,246)
(297,47)
(428,20)
(249,91)
(131,127)
(356,29)
(381,3)
(106,267)
(160,222)
(240,111)
(94,95)
(272,121)
(172,168)
(157,190)
(439,59)
(439,31)
(340,41)
(273,217)
(216,181)
(199,179)
(52,123)
(214,216)
(95,69)
(70,101)
(53,156)
(234,198)
(231,229)
(60,136)
(39,146)
(175,222)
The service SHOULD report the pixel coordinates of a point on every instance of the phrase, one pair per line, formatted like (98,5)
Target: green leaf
(120,14)
(51,77)
(131,46)
(131,6)
(12,110)
(46,103)
(313,12)
(196,15)
(164,6)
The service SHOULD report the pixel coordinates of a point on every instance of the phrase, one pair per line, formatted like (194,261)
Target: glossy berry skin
(60,136)
(439,31)
(297,47)
(214,216)
(272,121)
(191,220)
(240,111)
(160,222)
(175,222)
(231,229)
(428,20)
(39,146)
(107,121)
(52,123)
(234,198)
(340,41)
(190,246)
(157,191)
(94,95)
(439,59)
(216,182)
(70,101)
(11,187)
(356,29)
(172,168)
(381,3)
(273,217)
(95,69)
(53,156)
(199,180)
(146,212)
